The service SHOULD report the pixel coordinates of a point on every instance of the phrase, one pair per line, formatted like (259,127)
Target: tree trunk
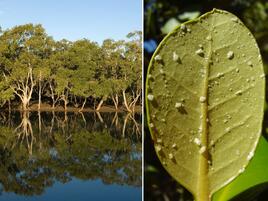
(99,105)
(132,105)
(83,105)
(115,100)
(39,95)
(125,102)
(65,96)
(24,91)
(65,104)
(52,96)
(65,100)
(24,103)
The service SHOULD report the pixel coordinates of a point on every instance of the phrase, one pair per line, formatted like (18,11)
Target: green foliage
(33,65)
(252,181)
(256,17)
(224,76)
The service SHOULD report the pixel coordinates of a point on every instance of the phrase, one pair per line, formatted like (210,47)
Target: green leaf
(255,175)
(170,25)
(205,101)
(189,15)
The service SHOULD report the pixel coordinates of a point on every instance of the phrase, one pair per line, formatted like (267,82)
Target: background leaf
(201,89)
(255,175)
(170,25)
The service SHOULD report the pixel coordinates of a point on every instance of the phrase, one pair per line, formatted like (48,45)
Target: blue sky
(75,19)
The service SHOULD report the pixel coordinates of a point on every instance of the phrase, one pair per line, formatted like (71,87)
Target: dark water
(70,156)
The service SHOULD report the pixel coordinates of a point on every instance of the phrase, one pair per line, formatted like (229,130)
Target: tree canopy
(35,67)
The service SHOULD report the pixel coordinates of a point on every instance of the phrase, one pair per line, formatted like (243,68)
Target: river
(70,156)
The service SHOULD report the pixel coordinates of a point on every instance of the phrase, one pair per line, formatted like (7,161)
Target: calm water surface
(70,156)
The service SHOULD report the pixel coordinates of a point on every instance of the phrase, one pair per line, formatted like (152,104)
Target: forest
(38,72)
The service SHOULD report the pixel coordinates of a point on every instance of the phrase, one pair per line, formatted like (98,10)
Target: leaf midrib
(203,181)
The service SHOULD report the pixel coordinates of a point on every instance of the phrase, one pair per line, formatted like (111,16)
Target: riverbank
(47,107)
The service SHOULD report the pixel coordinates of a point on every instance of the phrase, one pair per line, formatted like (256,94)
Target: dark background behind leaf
(159,17)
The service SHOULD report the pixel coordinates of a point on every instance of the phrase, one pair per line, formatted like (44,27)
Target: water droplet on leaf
(230,55)
(200,52)
(234,19)
(170,156)
(250,155)
(158,148)
(175,57)
(183,27)
(202,99)
(197,141)
(150,97)
(219,75)
(202,149)
(159,141)
(241,170)
(178,105)
(239,92)
(249,63)
(158,57)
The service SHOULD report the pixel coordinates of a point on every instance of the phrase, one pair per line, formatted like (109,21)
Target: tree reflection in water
(38,149)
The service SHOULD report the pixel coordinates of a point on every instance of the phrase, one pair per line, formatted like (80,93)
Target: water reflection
(39,149)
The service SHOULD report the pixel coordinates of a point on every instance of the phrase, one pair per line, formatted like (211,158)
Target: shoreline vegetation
(38,73)
(48,108)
